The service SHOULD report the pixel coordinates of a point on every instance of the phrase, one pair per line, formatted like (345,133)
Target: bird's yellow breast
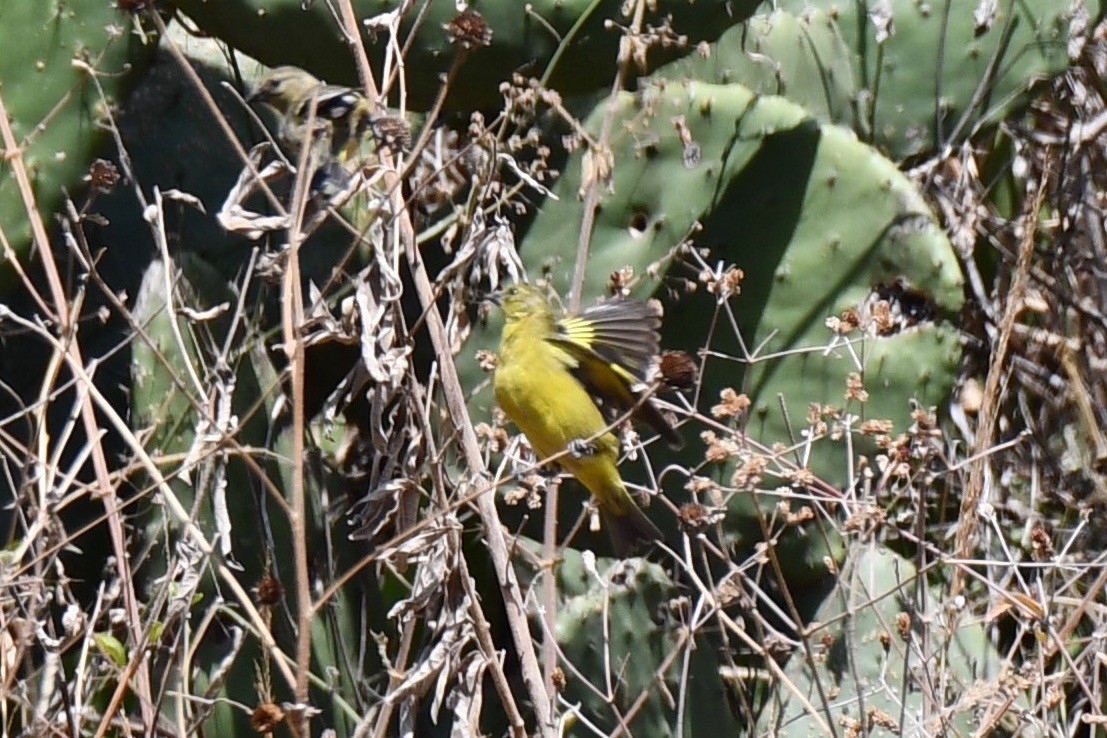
(535,388)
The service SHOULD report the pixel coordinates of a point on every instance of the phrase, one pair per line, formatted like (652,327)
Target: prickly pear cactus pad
(930,74)
(802,58)
(619,625)
(815,219)
(525,38)
(52,51)
(872,668)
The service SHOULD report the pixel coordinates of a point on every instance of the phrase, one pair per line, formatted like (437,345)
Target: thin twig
(109,413)
(576,290)
(292,321)
(592,195)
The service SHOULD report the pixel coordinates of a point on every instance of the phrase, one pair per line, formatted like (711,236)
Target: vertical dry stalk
(990,408)
(592,196)
(576,289)
(292,320)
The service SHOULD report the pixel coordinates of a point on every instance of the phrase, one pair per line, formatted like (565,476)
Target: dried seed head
(470,30)
(876,427)
(778,648)
(748,474)
(866,520)
(515,495)
(926,419)
(701,485)
(719,449)
(487,360)
(270,591)
(102,175)
(845,323)
(730,592)
(855,388)
(495,437)
(723,284)
(266,718)
(883,324)
(557,678)
(731,404)
(903,625)
(879,718)
(692,516)
(678,370)
(1041,544)
(619,279)
(393,131)
(695,517)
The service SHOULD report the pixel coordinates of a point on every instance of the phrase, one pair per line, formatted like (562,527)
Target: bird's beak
(496,297)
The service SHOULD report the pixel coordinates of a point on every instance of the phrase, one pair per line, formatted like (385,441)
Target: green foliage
(606,625)
(619,627)
(171,140)
(859,223)
(51,52)
(525,39)
(802,58)
(746,155)
(939,75)
(886,653)
(165,402)
(935,81)
(161,401)
(112,648)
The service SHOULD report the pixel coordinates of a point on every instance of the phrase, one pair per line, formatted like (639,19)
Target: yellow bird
(552,366)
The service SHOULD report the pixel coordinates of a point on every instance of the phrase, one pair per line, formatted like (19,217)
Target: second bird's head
(283,87)
(521,301)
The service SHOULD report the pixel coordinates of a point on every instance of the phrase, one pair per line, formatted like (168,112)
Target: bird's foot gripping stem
(579,448)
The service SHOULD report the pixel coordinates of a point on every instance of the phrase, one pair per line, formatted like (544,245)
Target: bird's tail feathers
(629,530)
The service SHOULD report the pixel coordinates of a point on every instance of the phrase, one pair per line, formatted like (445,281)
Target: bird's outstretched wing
(613,344)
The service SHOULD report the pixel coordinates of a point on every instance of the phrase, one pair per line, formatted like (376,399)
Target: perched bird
(341,120)
(552,366)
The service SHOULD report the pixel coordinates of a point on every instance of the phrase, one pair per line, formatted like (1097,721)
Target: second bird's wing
(346,111)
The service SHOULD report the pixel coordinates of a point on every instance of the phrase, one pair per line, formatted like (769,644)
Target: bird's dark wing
(622,332)
(614,344)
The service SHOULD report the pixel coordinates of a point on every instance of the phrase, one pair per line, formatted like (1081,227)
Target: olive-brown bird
(551,367)
(342,116)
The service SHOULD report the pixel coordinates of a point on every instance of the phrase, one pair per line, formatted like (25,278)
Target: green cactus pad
(939,76)
(55,109)
(802,58)
(525,38)
(815,219)
(870,667)
(618,618)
